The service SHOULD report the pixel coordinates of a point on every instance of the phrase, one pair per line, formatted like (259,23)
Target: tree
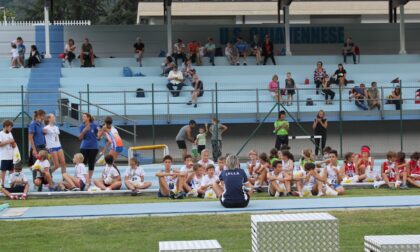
(124,12)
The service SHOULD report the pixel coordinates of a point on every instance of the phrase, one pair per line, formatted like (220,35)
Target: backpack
(127,72)
(309,102)
(140,93)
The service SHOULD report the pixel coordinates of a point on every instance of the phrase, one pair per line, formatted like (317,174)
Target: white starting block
(294,232)
(391,243)
(190,246)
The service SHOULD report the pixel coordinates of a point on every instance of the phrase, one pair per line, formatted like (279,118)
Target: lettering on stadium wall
(298,35)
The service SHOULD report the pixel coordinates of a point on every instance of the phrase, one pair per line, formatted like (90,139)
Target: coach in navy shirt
(234,190)
(36,136)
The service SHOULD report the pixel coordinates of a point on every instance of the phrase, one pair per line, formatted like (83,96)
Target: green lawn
(152,198)
(143,233)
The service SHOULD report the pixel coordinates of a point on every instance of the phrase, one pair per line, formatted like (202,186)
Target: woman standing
(52,139)
(89,146)
(234,190)
(320,126)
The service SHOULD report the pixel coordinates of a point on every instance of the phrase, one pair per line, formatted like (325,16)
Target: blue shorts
(52,150)
(335,186)
(160,195)
(119,149)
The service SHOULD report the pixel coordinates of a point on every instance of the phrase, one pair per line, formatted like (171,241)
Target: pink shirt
(273,86)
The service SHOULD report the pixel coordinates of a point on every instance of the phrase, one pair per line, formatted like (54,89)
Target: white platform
(294,232)
(190,246)
(391,243)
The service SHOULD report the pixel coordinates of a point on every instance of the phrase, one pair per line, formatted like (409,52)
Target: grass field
(153,199)
(143,233)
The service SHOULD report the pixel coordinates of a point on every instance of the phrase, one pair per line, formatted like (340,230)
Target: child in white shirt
(18,184)
(42,168)
(201,139)
(7,143)
(78,181)
(207,182)
(205,158)
(52,139)
(110,178)
(134,177)
(16,61)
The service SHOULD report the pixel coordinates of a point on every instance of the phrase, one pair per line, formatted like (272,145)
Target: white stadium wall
(117,41)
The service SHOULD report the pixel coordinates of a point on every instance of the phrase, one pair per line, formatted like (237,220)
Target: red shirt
(389,170)
(349,169)
(192,47)
(414,167)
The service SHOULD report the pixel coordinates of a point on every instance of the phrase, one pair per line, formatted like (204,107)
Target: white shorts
(273,94)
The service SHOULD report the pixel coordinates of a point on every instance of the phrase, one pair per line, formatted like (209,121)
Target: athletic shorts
(16,189)
(181,145)
(52,150)
(234,204)
(335,186)
(119,149)
(6,165)
(82,185)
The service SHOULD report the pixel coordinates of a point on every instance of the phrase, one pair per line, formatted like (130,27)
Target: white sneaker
(320,194)
(378,184)
(277,194)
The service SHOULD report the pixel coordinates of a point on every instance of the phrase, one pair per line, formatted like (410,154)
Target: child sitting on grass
(42,168)
(253,165)
(171,181)
(78,181)
(205,158)
(332,176)
(206,187)
(348,170)
(18,184)
(134,177)
(221,164)
(389,171)
(279,183)
(261,172)
(110,178)
(413,169)
(196,181)
(402,169)
(312,183)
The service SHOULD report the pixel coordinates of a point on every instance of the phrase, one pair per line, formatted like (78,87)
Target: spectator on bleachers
(326,89)
(349,50)
(198,88)
(373,97)
(139,51)
(21,49)
(70,51)
(210,50)
(34,57)
(290,88)
(176,79)
(395,98)
(340,76)
(167,65)
(87,57)
(15,62)
(256,49)
(179,51)
(232,54)
(320,126)
(243,49)
(273,87)
(187,70)
(200,54)
(359,94)
(192,51)
(319,74)
(268,50)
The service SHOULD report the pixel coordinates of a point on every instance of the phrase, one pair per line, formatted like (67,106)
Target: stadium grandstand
(239,107)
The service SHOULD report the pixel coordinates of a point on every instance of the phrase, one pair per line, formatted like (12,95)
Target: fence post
(80,106)
(401,119)
(88,98)
(298,106)
(167,106)
(258,105)
(382,103)
(217,103)
(341,122)
(23,149)
(153,121)
(212,103)
(125,103)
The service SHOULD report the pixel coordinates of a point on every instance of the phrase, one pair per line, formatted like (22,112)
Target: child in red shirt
(389,170)
(402,169)
(413,170)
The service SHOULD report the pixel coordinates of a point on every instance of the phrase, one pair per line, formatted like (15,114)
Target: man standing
(185,134)
(216,130)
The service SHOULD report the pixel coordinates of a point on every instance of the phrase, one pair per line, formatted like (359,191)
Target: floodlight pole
(287,30)
(47,29)
(168,8)
(402,30)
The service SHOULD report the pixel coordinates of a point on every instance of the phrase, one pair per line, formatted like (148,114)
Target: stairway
(43,86)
